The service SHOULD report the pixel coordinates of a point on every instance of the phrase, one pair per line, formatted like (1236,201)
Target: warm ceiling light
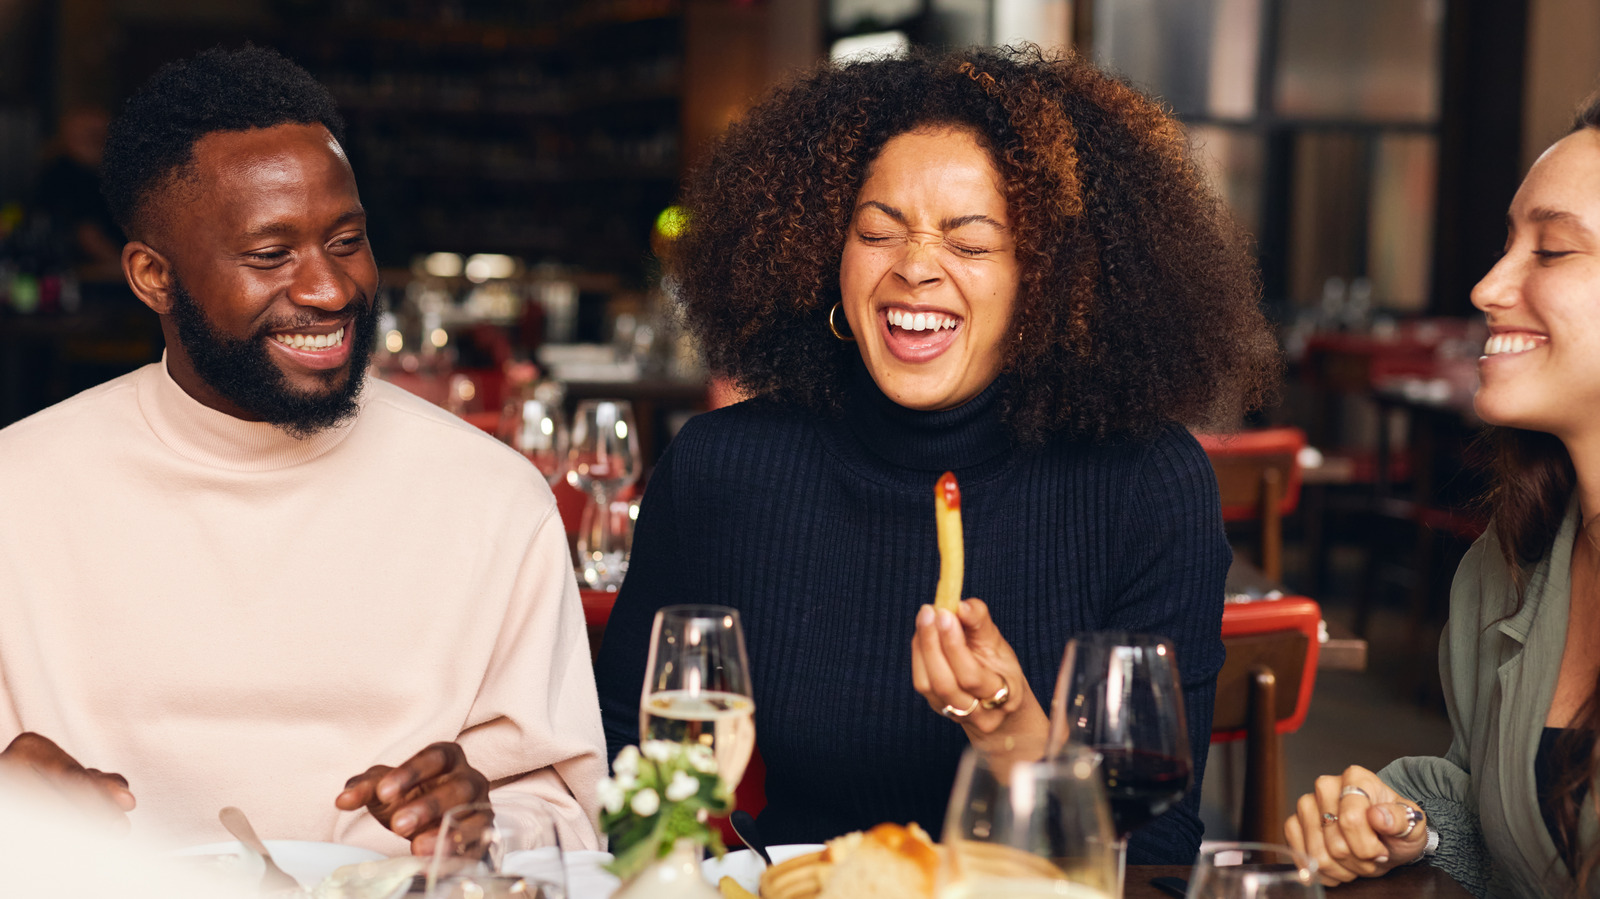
(442,265)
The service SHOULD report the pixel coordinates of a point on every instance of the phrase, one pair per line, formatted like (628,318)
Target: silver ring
(1329,818)
(951,711)
(1354,791)
(1413,818)
(1000,696)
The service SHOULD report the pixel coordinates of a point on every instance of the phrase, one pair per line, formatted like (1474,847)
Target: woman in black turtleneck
(989,263)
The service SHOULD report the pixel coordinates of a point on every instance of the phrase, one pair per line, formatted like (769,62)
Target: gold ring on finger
(1000,696)
(951,711)
(1329,818)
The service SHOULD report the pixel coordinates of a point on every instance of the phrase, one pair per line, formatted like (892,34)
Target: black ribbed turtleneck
(820,531)
(911,443)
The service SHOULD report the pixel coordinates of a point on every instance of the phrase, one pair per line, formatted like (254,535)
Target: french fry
(952,553)
(731,889)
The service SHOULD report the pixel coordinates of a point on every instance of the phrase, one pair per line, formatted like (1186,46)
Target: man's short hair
(151,144)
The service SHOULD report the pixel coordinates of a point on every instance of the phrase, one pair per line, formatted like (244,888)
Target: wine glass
(1119,695)
(535,427)
(602,458)
(499,851)
(1253,871)
(605,540)
(1035,829)
(697,686)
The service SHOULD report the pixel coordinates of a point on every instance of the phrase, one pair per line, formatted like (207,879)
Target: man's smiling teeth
(311,341)
(1503,344)
(920,321)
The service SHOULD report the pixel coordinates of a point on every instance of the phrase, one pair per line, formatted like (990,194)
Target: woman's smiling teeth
(311,341)
(1505,344)
(920,321)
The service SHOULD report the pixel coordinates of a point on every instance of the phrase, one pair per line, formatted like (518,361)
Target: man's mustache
(358,309)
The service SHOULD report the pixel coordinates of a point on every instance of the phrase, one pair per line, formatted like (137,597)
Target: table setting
(1117,757)
(1056,827)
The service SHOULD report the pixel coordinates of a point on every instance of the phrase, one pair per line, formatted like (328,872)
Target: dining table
(1341,649)
(1412,882)
(586,880)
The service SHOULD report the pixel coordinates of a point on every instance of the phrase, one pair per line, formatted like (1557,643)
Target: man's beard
(244,374)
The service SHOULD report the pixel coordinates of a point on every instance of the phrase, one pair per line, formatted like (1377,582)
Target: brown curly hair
(1138,300)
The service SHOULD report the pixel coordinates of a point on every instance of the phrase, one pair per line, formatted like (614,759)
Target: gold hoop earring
(833,326)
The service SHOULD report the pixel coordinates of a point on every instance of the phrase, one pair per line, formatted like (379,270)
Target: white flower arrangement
(658,793)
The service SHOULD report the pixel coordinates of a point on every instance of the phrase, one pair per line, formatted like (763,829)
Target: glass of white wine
(1029,831)
(697,686)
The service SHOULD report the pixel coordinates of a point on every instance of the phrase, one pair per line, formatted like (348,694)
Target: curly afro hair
(1139,298)
(151,144)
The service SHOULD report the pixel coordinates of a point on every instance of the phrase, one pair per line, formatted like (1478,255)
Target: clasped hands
(967,672)
(410,799)
(1354,825)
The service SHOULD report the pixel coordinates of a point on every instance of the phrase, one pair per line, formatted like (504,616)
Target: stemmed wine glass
(1119,695)
(1253,871)
(535,427)
(697,686)
(603,458)
(1034,829)
(504,851)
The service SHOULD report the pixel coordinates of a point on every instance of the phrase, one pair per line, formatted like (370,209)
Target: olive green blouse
(1499,675)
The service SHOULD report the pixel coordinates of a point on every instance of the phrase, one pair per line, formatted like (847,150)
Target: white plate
(305,861)
(745,867)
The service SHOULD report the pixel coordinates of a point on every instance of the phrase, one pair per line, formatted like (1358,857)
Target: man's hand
(101,792)
(412,799)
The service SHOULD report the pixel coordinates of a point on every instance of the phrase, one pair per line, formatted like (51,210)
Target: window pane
(1360,59)
(1231,159)
(857,15)
(1047,23)
(960,23)
(1401,221)
(1327,218)
(1200,56)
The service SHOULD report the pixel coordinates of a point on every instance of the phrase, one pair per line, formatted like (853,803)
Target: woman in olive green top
(1509,811)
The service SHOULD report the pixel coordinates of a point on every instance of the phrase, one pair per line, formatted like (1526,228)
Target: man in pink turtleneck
(246,575)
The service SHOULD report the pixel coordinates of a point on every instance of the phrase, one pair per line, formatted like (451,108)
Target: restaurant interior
(521,159)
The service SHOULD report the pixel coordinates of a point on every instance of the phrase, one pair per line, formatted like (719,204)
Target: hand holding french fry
(961,664)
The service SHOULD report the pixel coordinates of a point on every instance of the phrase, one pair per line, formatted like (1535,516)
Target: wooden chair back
(1264,690)
(1258,479)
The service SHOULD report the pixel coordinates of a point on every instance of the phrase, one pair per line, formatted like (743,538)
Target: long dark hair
(1533,481)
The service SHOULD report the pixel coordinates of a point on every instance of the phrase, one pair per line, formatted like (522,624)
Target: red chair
(1258,478)
(1264,691)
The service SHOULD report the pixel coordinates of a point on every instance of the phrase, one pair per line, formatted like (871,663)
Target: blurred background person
(68,193)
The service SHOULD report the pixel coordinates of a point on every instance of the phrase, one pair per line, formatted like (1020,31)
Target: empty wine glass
(697,686)
(1253,871)
(500,851)
(535,427)
(1120,695)
(1035,829)
(605,540)
(603,457)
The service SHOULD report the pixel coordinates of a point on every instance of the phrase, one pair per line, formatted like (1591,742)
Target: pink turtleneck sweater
(229,616)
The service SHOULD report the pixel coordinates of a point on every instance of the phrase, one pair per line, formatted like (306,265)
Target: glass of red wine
(1119,695)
